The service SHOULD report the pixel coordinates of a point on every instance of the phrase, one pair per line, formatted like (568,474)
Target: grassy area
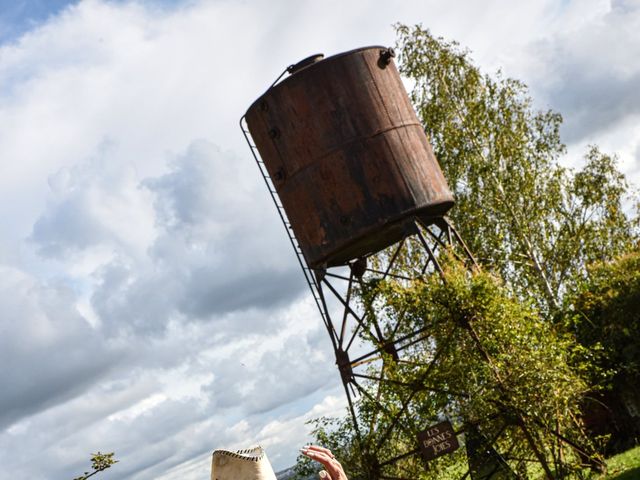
(625,466)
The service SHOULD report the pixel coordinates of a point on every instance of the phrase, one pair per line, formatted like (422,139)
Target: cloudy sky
(150,303)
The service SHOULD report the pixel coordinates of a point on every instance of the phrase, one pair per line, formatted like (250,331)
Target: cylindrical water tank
(347,155)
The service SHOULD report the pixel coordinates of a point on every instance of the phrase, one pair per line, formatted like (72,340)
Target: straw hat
(249,464)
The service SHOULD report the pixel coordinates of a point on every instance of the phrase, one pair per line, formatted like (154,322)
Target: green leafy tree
(604,315)
(499,366)
(99,463)
(491,364)
(535,222)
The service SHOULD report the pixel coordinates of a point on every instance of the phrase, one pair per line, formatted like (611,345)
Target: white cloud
(587,72)
(48,351)
(92,205)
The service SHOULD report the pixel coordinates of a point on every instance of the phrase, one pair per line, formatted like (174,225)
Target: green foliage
(511,368)
(99,463)
(606,314)
(490,361)
(536,223)
(625,466)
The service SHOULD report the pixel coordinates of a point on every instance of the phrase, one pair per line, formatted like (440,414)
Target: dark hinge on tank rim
(386,54)
(305,62)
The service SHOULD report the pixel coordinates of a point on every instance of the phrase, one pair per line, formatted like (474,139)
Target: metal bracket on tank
(296,67)
(305,62)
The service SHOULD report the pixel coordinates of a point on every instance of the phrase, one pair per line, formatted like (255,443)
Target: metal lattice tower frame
(361,340)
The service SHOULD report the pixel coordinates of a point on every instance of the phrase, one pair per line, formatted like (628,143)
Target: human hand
(324,456)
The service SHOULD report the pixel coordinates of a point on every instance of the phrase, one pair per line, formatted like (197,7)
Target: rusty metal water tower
(351,172)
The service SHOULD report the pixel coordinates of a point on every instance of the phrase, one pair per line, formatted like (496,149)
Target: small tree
(99,463)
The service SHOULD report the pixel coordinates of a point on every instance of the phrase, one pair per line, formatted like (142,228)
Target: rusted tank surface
(347,155)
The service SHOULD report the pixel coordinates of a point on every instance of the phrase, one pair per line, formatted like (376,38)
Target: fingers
(327,459)
(318,448)
(322,457)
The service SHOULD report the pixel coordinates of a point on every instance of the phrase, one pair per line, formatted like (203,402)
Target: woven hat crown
(247,464)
